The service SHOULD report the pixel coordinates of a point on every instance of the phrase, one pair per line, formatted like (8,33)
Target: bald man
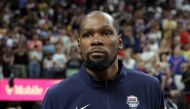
(103,82)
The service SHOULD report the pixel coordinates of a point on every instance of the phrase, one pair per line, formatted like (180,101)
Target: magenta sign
(25,89)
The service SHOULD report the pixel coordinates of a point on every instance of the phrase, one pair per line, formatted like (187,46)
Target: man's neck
(108,74)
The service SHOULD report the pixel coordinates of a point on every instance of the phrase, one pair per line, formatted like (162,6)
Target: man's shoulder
(140,76)
(67,85)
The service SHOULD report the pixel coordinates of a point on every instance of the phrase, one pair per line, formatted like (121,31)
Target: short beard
(99,65)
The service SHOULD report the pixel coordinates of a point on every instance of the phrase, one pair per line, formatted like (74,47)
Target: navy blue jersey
(131,89)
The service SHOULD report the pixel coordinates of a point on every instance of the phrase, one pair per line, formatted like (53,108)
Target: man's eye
(107,33)
(86,35)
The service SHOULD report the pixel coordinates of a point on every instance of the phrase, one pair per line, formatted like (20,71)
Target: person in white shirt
(60,61)
(128,61)
(48,66)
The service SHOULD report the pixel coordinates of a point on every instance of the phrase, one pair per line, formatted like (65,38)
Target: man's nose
(97,40)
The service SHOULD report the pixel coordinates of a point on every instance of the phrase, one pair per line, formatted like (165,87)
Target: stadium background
(38,40)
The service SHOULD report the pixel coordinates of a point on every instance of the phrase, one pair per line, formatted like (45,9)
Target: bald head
(97,16)
(100,13)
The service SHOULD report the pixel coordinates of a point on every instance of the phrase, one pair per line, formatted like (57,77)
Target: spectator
(155,32)
(186,52)
(184,35)
(175,61)
(165,46)
(165,71)
(140,65)
(186,80)
(65,40)
(48,46)
(34,66)
(48,66)
(14,105)
(8,60)
(169,25)
(128,60)
(1,60)
(21,60)
(60,61)
(127,37)
(35,43)
(74,61)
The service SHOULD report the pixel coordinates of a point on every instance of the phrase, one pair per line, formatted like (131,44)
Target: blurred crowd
(38,38)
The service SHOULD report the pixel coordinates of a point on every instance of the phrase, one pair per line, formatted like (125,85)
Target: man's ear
(79,47)
(120,41)
(78,42)
(78,35)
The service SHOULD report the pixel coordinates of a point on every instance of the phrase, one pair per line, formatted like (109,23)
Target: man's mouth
(97,53)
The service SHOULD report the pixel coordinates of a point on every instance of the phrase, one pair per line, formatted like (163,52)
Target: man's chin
(98,64)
